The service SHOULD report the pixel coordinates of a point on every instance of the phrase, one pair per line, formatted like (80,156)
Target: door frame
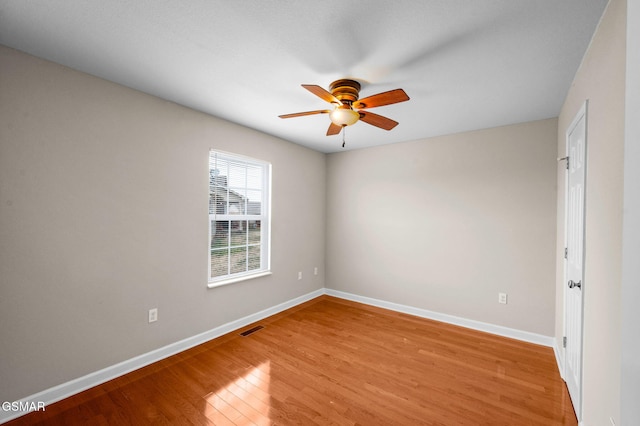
(582,113)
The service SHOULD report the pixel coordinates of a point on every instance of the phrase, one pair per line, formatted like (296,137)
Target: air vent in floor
(251,330)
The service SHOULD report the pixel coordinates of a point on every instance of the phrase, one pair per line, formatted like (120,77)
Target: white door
(574,266)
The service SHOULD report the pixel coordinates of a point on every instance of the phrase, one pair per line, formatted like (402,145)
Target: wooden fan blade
(300,114)
(334,129)
(377,120)
(322,94)
(384,98)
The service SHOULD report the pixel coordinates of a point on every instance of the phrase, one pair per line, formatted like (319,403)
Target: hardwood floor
(334,362)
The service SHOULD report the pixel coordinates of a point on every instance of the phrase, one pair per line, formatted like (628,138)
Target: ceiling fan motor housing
(347,91)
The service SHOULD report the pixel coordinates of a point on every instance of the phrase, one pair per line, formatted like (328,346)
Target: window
(239,211)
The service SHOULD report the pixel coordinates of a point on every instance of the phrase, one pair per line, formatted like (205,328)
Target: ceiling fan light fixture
(344,116)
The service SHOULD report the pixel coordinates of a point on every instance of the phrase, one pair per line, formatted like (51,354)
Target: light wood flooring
(334,362)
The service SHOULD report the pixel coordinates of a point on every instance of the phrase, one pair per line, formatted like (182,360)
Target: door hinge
(564,341)
(566,253)
(568,159)
(565,158)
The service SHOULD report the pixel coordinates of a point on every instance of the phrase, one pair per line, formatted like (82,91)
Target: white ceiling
(466,64)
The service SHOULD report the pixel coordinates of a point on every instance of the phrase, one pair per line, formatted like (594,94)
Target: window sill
(214,284)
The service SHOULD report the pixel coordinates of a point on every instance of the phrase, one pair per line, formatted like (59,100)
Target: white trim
(64,390)
(512,333)
(264,218)
(559,353)
(214,284)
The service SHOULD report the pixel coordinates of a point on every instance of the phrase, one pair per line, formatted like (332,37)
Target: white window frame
(264,217)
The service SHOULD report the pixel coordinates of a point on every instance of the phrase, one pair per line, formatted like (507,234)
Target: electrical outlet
(315,271)
(502,298)
(299,275)
(153,315)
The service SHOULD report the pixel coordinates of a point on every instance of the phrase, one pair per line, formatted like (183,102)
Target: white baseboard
(57,393)
(524,336)
(559,353)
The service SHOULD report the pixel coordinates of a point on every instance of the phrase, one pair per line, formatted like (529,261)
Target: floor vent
(251,330)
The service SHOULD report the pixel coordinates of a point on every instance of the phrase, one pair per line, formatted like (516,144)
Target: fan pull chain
(344,129)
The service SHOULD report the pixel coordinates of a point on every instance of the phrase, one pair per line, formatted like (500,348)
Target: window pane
(254,257)
(254,231)
(219,262)
(238,232)
(237,174)
(254,201)
(219,234)
(238,259)
(218,187)
(236,203)
(254,176)
(218,203)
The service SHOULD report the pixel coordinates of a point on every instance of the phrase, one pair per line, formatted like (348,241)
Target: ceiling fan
(348,108)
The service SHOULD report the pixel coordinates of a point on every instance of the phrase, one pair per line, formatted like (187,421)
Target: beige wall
(103,215)
(447,223)
(601,80)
